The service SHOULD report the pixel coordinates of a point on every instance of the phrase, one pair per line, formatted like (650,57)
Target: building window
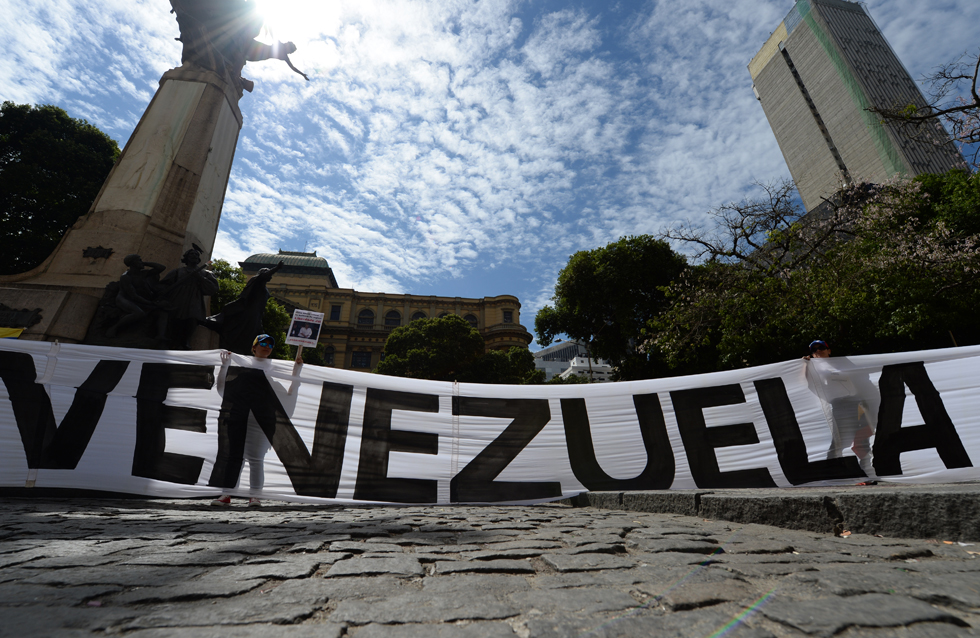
(328,353)
(508,316)
(443,315)
(334,313)
(472,320)
(418,315)
(365,317)
(360,359)
(393,318)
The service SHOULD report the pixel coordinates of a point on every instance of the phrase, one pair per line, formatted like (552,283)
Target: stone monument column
(167,189)
(165,193)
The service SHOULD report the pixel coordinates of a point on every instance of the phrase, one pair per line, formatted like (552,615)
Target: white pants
(256,446)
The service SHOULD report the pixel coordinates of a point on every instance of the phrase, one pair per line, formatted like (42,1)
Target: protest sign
(304,329)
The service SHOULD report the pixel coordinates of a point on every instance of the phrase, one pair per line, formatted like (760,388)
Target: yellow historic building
(356,324)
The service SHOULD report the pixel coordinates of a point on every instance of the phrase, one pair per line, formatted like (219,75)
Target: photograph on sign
(304,330)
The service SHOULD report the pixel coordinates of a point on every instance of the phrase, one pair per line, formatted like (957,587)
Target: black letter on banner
(248,390)
(659,471)
(47,445)
(891,439)
(378,439)
(153,418)
(475,482)
(700,441)
(322,478)
(789,443)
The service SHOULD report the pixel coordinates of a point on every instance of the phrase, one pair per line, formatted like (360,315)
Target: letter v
(47,445)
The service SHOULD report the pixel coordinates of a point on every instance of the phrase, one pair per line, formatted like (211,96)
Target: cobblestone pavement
(161,568)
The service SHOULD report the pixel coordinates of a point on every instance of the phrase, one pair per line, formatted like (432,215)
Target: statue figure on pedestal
(136,296)
(184,291)
(220,35)
(240,320)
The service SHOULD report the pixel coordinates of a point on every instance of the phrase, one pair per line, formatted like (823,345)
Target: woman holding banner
(847,393)
(256,441)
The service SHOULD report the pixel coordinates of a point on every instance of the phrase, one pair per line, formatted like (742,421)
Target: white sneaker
(221,501)
(254,502)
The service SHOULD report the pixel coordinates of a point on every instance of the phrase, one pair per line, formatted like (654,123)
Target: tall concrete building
(816,76)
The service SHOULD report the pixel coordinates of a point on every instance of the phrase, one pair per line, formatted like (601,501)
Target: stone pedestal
(164,194)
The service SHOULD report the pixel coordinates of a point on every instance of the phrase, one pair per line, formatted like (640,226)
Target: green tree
(449,349)
(275,319)
(953,198)
(437,349)
(513,367)
(51,169)
(572,379)
(889,268)
(605,297)
(228,272)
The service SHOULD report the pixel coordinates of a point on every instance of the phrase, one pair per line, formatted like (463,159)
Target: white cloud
(453,147)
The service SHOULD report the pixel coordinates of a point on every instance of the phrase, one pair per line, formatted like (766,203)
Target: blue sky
(461,148)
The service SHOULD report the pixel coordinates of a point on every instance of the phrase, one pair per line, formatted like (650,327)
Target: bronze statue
(136,296)
(220,35)
(184,290)
(240,320)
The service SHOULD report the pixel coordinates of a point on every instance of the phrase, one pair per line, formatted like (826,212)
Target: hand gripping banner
(185,424)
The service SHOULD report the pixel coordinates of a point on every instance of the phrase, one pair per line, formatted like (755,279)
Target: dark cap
(817,344)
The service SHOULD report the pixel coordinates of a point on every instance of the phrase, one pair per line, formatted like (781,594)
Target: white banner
(178,424)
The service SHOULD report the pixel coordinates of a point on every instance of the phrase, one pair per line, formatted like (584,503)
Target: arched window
(418,315)
(443,315)
(472,320)
(393,318)
(365,317)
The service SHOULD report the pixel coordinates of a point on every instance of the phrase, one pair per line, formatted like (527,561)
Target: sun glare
(297,20)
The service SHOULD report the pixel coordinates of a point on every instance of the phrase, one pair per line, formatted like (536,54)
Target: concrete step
(941,511)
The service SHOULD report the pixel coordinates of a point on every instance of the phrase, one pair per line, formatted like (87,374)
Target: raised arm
(223,372)
(295,69)
(279,51)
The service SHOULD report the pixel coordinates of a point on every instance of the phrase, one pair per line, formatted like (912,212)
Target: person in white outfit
(853,411)
(256,442)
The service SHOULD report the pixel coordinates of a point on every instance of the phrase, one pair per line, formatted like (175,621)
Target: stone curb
(945,512)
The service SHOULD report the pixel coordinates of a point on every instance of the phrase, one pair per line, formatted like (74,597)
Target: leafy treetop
(450,349)
(52,167)
(887,268)
(604,297)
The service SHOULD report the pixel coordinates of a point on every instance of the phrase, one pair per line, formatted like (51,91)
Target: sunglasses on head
(266,343)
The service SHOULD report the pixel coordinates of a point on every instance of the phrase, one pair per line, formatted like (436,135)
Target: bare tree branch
(769,233)
(946,107)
